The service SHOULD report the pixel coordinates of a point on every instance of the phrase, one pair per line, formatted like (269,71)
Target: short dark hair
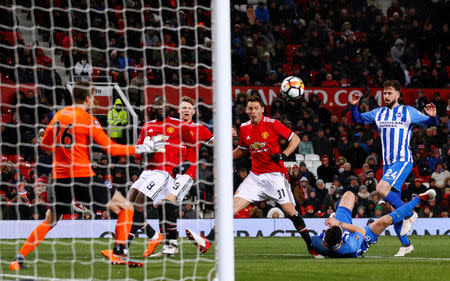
(255,99)
(188,99)
(81,90)
(333,236)
(392,83)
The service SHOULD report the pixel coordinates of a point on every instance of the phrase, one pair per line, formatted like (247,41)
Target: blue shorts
(344,214)
(396,174)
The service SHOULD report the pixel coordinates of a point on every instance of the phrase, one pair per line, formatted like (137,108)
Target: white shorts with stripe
(181,187)
(266,186)
(155,184)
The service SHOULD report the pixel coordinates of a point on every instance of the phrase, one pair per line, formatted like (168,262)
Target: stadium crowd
(326,43)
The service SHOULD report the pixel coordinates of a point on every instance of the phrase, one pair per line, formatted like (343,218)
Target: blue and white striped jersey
(395,129)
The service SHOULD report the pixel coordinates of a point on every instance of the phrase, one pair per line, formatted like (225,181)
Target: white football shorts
(181,187)
(156,184)
(265,186)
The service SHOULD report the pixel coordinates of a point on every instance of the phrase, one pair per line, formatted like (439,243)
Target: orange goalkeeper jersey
(69,136)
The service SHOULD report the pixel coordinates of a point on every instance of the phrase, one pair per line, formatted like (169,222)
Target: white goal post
(223,161)
(106,90)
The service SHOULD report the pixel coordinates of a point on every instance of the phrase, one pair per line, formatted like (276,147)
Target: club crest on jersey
(265,135)
(170,130)
(399,115)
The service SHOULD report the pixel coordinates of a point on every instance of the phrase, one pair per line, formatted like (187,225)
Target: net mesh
(133,51)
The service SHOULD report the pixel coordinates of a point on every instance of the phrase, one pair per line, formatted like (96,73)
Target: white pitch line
(33,277)
(369,257)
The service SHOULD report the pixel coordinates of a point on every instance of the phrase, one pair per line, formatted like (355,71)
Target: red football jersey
(201,135)
(178,134)
(263,140)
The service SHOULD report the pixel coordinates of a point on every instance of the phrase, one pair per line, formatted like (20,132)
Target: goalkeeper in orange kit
(69,136)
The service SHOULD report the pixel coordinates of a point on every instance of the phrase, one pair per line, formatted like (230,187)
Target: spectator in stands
(304,172)
(329,81)
(83,68)
(355,154)
(379,212)
(353,185)
(361,212)
(310,213)
(440,174)
(321,144)
(370,182)
(306,146)
(321,191)
(136,90)
(433,159)
(363,196)
(313,200)
(344,176)
(275,213)
(326,171)
(117,121)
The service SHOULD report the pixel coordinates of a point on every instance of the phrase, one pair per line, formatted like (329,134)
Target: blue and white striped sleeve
(366,117)
(421,119)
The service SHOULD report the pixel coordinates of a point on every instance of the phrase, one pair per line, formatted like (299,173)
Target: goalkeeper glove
(154,144)
(277,157)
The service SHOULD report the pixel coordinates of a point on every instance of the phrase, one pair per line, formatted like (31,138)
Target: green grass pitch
(256,259)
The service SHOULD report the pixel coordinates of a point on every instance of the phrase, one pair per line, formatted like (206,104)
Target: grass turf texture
(256,259)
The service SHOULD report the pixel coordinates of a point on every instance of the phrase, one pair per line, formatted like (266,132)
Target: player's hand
(154,144)
(331,222)
(277,157)
(430,109)
(355,99)
(233,132)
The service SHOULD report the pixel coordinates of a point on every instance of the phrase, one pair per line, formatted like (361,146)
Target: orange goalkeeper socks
(123,226)
(35,238)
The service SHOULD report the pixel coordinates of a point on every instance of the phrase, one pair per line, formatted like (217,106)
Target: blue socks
(399,214)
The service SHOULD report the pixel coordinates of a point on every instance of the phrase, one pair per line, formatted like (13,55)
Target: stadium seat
(15,158)
(289,164)
(299,157)
(312,157)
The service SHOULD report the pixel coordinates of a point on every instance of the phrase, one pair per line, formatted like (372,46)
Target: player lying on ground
(69,136)
(261,137)
(345,240)
(159,183)
(395,123)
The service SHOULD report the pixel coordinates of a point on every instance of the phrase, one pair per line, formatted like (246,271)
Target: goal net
(132,51)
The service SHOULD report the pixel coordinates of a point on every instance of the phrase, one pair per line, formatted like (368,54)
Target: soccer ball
(292,87)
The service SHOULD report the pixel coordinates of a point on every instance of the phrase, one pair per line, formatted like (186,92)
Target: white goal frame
(223,162)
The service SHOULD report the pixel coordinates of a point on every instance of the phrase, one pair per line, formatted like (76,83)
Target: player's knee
(383,188)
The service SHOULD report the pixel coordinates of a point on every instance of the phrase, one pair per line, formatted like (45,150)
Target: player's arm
(347,226)
(431,119)
(367,117)
(286,133)
(47,140)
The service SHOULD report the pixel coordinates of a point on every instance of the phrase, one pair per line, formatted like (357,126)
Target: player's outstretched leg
(125,212)
(155,238)
(168,225)
(35,238)
(300,226)
(202,243)
(401,212)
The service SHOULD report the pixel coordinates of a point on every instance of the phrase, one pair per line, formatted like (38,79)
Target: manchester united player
(158,182)
(201,135)
(261,137)
(69,136)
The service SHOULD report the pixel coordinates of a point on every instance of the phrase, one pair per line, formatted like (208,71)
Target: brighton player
(201,135)
(346,240)
(69,136)
(394,122)
(261,137)
(158,182)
